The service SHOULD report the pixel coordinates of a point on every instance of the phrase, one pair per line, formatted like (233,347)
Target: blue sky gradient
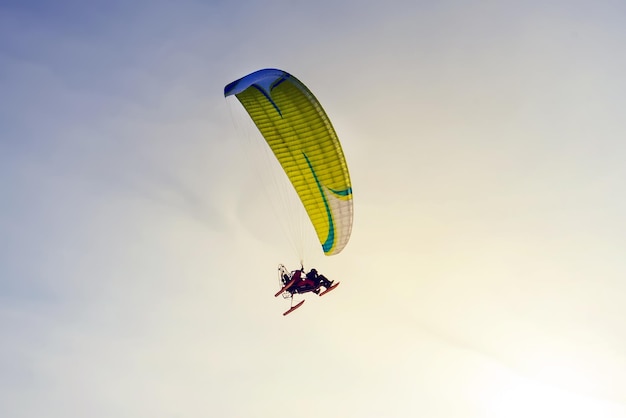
(139,245)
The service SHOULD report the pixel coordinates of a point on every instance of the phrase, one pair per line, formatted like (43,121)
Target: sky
(485,275)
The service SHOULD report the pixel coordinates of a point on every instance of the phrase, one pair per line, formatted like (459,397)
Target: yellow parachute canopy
(303,140)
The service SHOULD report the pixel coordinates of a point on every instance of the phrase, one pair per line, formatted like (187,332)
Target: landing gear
(292,283)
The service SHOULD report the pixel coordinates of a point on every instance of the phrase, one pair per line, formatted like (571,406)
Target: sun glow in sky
(138,242)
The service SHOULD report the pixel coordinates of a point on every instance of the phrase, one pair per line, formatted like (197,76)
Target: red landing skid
(293,308)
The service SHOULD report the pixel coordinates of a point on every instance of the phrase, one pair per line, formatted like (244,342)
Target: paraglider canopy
(304,141)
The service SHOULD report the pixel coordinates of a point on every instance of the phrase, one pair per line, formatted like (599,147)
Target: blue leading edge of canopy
(263,79)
